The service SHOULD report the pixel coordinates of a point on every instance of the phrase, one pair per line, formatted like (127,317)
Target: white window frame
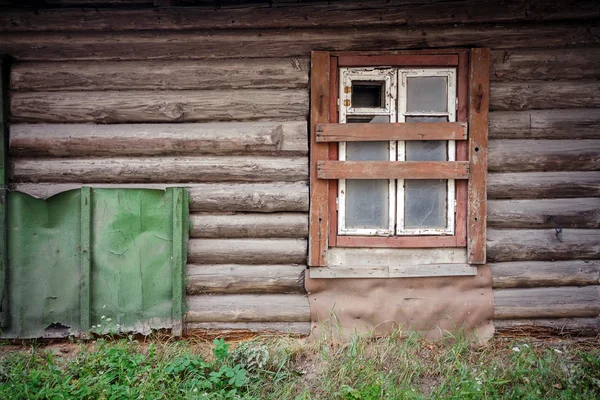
(389,78)
(450,74)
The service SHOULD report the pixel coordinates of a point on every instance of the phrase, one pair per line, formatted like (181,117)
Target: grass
(364,367)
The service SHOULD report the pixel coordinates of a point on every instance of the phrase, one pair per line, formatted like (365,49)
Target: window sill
(406,271)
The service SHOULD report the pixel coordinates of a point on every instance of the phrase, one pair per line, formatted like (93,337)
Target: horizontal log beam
(248,308)
(543,155)
(155,106)
(336,14)
(271,73)
(560,302)
(542,244)
(393,170)
(159,169)
(513,96)
(244,279)
(189,45)
(545,124)
(259,225)
(221,138)
(247,251)
(237,330)
(545,273)
(545,64)
(572,327)
(544,213)
(257,197)
(539,185)
(383,132)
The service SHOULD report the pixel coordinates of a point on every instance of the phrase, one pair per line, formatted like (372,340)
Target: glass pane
(363,119)
(367,199)
(427,94)
(425,200)
(367,204)
(425,204)
(426,119)
(367,94)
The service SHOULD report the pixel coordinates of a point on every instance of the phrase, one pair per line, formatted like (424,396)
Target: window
(399,151)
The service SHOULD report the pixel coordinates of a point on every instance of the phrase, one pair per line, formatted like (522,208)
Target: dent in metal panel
(43,279)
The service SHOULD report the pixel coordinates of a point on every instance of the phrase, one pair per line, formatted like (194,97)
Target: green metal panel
(109,260)
(44,258)
(132,238)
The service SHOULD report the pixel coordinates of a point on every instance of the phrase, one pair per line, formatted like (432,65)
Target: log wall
(217,99)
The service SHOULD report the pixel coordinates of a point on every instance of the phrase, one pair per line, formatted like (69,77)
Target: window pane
(367,199)
(367,94)
(367,204)
(427,94)
(426,119)
(425,200)
(425,204)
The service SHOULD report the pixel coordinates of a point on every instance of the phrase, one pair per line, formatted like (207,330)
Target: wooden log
(555,302)
(543,273)
(248,308)
(258,225)
(258,197)
(513,96)
(231,279)
(247,251)
(545,124)
(337,14)
(575,327)
(539,185)
(542,244)
(241,329)
(393,169)
(271,73)
(400,131)
(545,64)
(159,169)
(79,140)
(544,155)
(544,213)
(189,45)
(153,106)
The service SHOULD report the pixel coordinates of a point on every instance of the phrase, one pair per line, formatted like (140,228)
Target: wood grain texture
(392,169)
(545,273)
(401,131)
(545,64)
(257,197)
(243,279)
(530,214)
(270,73)
(236,330)
(158,106)
(479,103)
(258,225)
(159,169)
(545,124)
(248,308)
(287,15)
(554,302)
(247,251)
(319,189)
(571,327)
(514,96)
(189,45)
(80,140)
(542,245)
(539,185)
(544,155)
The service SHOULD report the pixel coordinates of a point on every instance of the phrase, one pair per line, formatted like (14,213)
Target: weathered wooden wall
(217,99)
